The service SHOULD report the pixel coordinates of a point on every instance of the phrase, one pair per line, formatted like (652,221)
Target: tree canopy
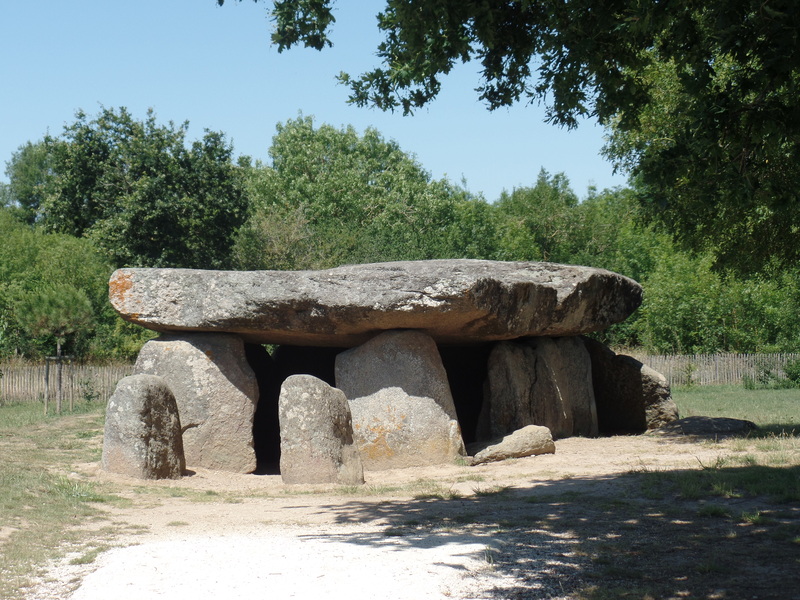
(722,168)
(39,269)
(135,188)
(334,196)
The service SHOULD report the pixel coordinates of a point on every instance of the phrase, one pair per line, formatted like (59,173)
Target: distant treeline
(113,191)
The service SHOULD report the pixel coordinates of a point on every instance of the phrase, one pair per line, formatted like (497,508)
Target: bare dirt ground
(601,518)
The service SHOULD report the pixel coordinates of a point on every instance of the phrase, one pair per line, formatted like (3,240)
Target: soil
(600,518)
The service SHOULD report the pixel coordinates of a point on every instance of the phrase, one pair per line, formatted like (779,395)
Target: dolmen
(382,366)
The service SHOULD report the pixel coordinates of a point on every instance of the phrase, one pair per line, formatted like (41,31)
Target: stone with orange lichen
(453,301)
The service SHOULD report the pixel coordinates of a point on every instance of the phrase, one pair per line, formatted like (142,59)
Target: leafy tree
(333,196)
(29,172)
(137,191)
(721,168)
(536,222)
(609,233)
(57,310)
(730,187)
(35,263)
(690,308)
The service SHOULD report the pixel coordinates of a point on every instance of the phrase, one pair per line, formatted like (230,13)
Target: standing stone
(571,368)
(521,390)
(403,413)
(216,392)
(539,381)
(142,435)
(631,397)
(317,434)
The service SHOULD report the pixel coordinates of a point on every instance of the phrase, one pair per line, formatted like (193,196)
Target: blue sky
(213,66)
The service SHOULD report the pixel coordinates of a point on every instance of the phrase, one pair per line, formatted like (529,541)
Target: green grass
(713,511)
(90,555)
(779,484)
(765,463)
(774,410)
(40,505)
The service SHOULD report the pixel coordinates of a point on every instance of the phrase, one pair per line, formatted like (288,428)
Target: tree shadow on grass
(711,534)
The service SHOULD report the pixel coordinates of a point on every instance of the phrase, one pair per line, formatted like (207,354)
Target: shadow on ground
(715,533)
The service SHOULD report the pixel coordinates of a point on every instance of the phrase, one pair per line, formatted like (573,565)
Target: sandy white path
(278,566)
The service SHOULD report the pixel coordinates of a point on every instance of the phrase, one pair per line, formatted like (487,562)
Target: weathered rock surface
(317,434)
(530,440)
(216,393)
(568,362)
(454,301)
(539,381)
(403,413)
(520,391)
(142,435)
(630,396)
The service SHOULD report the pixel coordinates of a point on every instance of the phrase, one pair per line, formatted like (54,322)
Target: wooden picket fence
(718,369)
(24,382)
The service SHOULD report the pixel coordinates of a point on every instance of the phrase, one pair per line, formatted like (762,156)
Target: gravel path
(353,562)
(257,538)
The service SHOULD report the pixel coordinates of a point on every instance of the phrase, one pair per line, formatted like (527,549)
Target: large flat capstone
(453,301)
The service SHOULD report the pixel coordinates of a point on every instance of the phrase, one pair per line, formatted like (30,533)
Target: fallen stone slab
(706,427)
(530,440)
(453,301)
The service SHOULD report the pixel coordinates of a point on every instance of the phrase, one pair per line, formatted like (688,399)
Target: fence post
(46,385)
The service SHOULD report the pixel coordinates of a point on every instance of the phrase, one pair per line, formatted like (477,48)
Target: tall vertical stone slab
(631,397)
(539,381)
(317,434)
(403,412)
(216,393)
(142,436)
(571,367)
(521,390)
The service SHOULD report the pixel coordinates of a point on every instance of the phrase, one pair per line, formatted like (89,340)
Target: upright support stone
(142,436)
(216,393)
(521,390)
(317,434)
(631,397)
(569,362)
(539,381)
(403,413)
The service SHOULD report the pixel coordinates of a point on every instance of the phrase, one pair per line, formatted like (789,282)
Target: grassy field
(42,506)
(744,505)
(774,410)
